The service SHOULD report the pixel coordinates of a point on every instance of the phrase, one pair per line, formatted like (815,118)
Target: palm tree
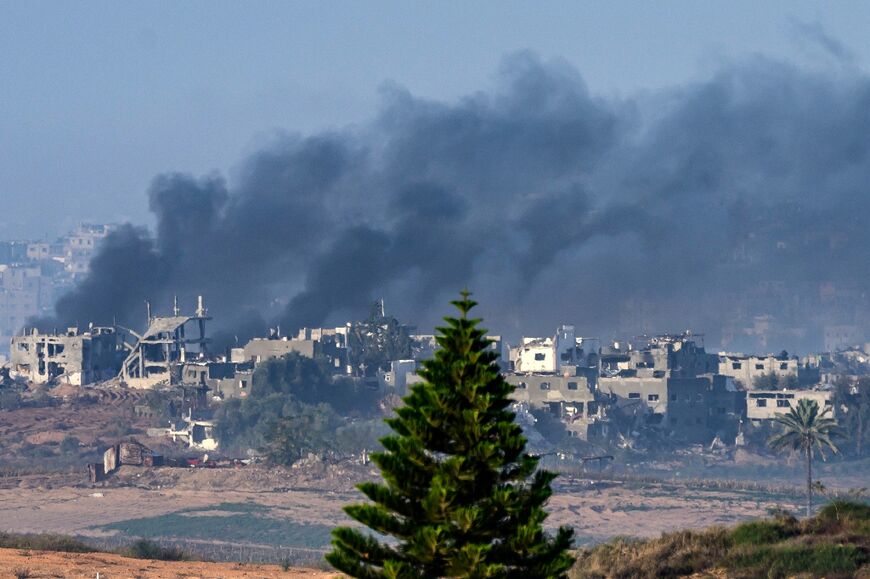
(804,428)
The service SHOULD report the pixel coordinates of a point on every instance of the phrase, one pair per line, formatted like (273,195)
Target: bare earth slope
(44,564)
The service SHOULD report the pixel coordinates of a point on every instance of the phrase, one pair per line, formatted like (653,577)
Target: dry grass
(834,543)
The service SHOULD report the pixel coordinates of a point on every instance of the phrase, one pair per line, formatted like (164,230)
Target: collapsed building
(667,383)
(156,357)
(670,383)
(197,433)
(72,357)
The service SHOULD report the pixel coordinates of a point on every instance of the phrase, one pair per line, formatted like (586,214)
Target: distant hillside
(833,544)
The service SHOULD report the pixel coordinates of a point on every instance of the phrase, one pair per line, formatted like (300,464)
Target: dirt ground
(66,503)
(316,496)
(41,564)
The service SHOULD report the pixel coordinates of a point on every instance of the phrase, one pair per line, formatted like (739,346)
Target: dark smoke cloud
(704,206)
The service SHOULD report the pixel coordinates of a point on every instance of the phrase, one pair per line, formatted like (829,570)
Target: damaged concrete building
(568,397)
(71,357)
(760,371)
(196,433)
(156,357)
(549,354)
(669,383)
(766,404)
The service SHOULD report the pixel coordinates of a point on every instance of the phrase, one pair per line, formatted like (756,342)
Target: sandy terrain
(596,512)
(41,564)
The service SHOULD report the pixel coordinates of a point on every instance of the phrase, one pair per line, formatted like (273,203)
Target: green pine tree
(461,497)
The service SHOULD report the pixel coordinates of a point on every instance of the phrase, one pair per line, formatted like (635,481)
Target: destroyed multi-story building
(568,397)
(558,374)
(72,357)
(157,355)
(669,383)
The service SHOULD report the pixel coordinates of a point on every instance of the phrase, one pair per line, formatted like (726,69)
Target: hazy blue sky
(98,97)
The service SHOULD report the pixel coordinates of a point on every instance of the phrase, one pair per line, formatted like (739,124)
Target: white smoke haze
(660,212)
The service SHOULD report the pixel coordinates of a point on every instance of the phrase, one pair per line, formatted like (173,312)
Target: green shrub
(762,532)
(840,510)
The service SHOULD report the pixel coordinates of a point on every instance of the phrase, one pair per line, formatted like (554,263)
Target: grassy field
(833,544)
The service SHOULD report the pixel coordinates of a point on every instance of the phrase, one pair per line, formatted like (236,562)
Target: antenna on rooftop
(148,311)
(175,310)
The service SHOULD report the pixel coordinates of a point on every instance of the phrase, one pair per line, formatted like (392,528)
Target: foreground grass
(835,543)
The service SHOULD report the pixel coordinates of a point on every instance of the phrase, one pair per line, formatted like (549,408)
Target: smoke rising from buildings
(730,202)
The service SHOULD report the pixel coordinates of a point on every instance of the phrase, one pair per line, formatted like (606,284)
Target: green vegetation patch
(819,560)
(834,543)
(763,532)
(247,523)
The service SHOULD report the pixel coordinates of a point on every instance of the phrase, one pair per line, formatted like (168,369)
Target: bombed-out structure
(156,356)
(73,357)
(665,387)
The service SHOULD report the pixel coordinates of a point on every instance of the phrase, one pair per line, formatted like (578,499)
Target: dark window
(782,403)
(653,397)
(736,366)
(539,357)
(658,373)
(545,385)
(759,366)
(761,403)
(521,385)
(244,383)
(634,395)
(783,366)
(828,403)
(565,356)
(572,385)
(591,408)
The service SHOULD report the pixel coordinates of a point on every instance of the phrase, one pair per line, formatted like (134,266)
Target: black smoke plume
(730,205)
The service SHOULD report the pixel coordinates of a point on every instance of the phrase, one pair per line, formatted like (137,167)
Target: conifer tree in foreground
(461,497)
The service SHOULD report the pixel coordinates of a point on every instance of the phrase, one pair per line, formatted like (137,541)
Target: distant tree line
(296,407)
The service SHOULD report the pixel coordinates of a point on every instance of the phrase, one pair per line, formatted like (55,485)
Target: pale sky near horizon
(96,98)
